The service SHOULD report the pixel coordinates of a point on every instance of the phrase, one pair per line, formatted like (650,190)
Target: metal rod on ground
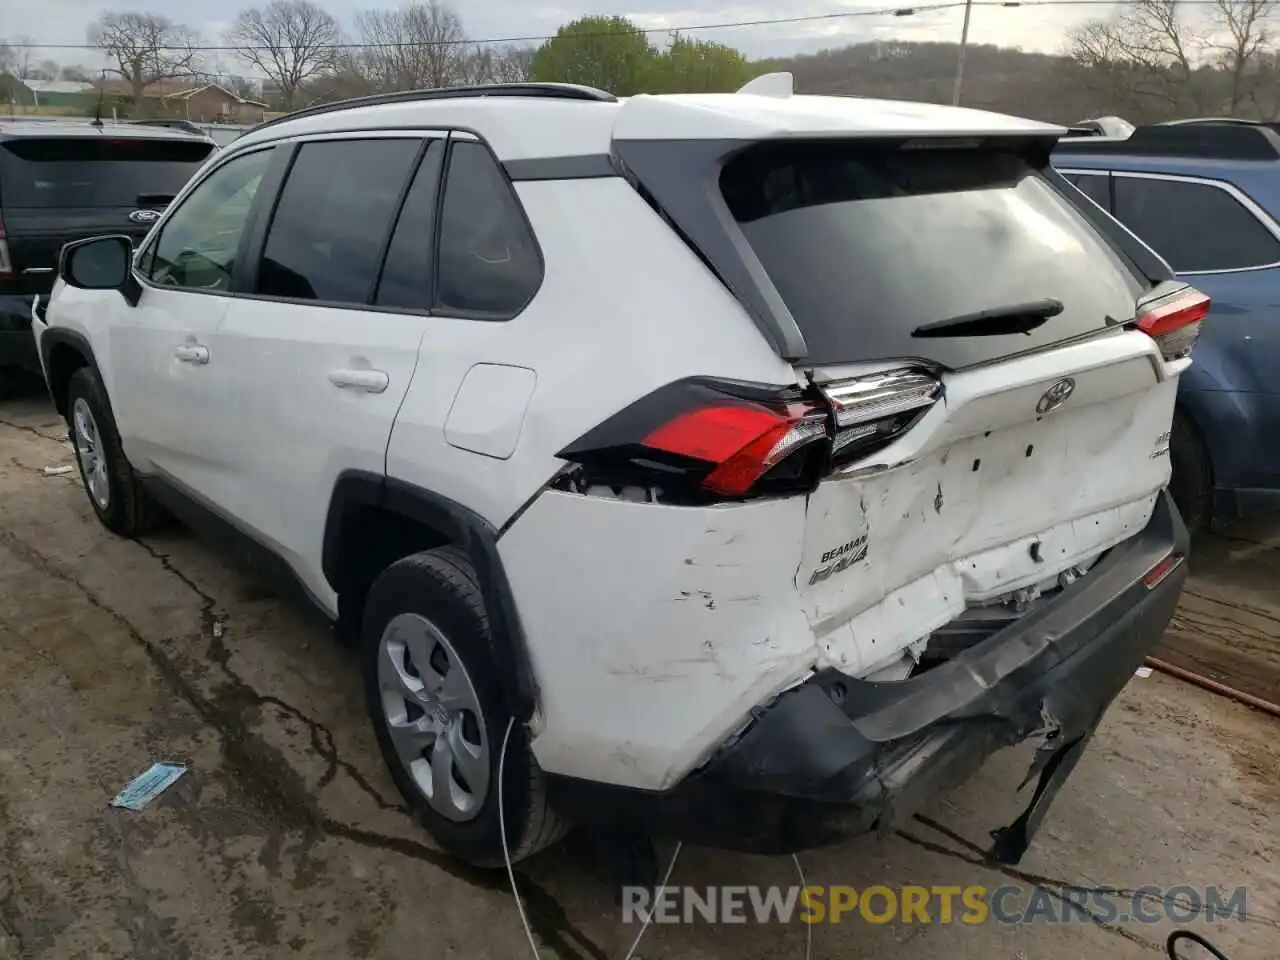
(1248,699)
(964,43)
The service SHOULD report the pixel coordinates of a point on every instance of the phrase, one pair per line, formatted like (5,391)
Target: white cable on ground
(808,937)
(657,893)
(515,892)
(506,851)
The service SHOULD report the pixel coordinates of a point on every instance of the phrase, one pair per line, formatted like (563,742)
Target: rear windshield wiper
(155,199)
(999,321)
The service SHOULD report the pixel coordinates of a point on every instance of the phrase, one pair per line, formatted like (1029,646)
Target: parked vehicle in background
(747,467)
(67,180)
(1205,194)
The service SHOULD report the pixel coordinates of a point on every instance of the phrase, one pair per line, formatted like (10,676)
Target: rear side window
(54,172)
(1194,226)
(333,218)
(489,265)
(1095,186)
(867,243)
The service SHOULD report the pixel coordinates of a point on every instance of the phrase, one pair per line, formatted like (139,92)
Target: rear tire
(425,621)
(1191,480)
(114,492)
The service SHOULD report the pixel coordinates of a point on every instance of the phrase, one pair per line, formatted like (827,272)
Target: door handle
(189,353)
(370,381)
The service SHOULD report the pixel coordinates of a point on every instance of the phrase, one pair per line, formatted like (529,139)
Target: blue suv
(1205,195)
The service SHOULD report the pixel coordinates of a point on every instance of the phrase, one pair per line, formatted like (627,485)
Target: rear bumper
(837,756)
(17,346)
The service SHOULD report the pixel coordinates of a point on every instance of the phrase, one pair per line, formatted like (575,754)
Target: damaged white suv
(743,467)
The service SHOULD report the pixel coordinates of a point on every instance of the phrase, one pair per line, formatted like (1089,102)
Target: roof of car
(533,120)
(19,127)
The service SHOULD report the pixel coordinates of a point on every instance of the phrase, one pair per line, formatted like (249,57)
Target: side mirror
(100,263)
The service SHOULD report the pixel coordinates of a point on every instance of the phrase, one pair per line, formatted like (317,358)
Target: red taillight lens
(1173,320)
(701,439)
(744,441)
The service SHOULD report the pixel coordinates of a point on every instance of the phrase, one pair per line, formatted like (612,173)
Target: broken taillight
(1173,320)
(872,410)
(706,439)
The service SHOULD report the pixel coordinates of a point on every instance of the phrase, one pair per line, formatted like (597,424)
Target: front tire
(431,685)
(115,493)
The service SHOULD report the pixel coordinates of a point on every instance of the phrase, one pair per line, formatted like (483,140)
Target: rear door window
(333,219)
(867,243)
(53,172)
(1194,226)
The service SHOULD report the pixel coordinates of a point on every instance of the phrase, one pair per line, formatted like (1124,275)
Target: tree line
(1146,60)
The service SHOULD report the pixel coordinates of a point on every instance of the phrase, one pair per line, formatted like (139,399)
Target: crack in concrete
(1050,886)
(271,780)
(34,431)
(214,622)
(1055,887)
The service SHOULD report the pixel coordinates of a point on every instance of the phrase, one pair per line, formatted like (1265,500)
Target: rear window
(95,172)
(867,243)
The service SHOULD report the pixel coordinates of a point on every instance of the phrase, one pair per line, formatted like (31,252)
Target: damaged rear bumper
(837,756)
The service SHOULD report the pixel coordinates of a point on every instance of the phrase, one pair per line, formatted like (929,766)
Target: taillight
(870,411)
(1173,320)
(703,440)
(6,265)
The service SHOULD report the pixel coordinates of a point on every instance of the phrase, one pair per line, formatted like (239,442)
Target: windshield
(868,243)
(93,172)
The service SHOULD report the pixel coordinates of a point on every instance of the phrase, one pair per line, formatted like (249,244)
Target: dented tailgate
(985,497)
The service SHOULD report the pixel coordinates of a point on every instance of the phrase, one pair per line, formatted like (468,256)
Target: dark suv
(61,181)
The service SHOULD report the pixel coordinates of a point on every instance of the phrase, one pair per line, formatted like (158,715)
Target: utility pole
(964,43)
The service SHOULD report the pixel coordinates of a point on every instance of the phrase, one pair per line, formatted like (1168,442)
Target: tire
(112,487)
(1191,479)
(438,591)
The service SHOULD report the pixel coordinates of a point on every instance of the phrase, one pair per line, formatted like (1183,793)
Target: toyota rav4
(742,467)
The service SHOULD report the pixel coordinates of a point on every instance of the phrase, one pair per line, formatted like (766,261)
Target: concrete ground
(285,838)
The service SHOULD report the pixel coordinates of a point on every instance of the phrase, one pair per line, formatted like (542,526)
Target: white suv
(742,467)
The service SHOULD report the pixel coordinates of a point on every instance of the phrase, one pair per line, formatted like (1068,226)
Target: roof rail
(554,91)
(1205,139)
(1197,121)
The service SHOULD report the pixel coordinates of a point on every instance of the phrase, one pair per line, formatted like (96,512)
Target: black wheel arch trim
(355,489)
(55,336)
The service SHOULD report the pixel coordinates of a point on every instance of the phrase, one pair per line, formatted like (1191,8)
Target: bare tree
(1153,54)
(1146,51)
(1240,48)
(418,45)
(289,41)
(144,48)
(15,58)
(487,64)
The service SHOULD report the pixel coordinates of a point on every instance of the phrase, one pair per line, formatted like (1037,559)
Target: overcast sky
(65,21)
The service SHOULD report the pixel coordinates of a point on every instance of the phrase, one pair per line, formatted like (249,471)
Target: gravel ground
(286,838)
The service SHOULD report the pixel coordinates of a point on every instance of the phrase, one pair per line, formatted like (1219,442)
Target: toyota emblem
(144,216)
(1056,396)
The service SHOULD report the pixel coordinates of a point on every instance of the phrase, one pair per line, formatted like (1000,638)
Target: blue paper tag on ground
(150,785)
